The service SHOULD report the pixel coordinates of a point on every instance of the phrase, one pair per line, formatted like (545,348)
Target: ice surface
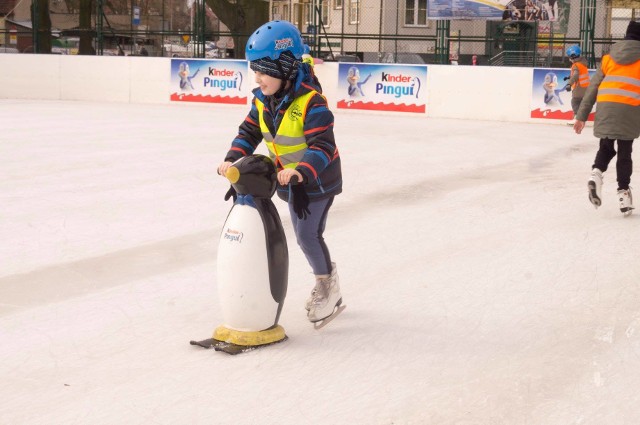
(482,286)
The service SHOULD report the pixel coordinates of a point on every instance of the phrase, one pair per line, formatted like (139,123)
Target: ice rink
(482,286)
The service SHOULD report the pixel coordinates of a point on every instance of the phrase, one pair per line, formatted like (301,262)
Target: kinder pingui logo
(398,85)
(233,235)
(223,79)
(284,43)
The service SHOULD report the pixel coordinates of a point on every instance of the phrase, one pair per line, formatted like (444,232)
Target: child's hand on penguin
(284,176)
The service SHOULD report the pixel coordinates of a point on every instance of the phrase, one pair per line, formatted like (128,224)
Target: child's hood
(626,52)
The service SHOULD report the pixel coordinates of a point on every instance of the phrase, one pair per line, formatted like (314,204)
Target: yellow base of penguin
(252,338)
(232,341)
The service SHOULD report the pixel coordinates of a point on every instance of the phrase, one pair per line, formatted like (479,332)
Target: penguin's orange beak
(232,174)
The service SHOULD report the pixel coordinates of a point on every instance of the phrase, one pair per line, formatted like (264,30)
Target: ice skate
(626,201)
(595,187)
(314,291)
(326,299)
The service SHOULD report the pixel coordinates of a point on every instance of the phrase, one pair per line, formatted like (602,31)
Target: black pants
(624,163)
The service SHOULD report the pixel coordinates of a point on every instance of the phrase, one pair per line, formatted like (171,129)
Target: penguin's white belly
(243,272)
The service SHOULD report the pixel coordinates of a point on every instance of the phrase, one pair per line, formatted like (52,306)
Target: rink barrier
(458,92)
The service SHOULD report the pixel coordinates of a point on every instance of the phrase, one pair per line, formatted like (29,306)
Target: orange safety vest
(583,79)
(621,83)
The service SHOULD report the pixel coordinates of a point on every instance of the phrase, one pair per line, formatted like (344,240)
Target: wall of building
(458,92)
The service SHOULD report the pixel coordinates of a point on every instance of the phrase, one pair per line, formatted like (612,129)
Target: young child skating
(578,79)
(289,112)
(616,88)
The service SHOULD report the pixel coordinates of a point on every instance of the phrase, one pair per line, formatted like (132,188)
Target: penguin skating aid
(253,262)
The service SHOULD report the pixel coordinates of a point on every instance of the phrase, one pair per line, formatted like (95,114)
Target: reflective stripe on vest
(289,145)
(583,79)
(620,83)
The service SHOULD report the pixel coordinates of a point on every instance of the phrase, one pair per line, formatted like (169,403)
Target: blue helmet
(307,49)
(272,39)
(574,51)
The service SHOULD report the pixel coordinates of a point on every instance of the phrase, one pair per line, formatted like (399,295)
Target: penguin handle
(293,180)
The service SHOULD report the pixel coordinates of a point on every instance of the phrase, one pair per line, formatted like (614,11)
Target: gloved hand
(566,78)
(231,193)
(567,87)
(300,201)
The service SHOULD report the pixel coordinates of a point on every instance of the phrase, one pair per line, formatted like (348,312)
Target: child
(578,79)
(616,88)
(289,112)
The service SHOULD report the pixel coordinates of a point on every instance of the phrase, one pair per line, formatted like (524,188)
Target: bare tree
(41,22)
(242,17)
(86,32)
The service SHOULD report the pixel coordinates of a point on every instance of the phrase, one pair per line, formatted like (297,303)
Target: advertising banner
(382,87)
(466,9)
(556,11)
(550,99)
(515,10)
(211,81)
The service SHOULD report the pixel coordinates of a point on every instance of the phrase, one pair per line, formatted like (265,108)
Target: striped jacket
(320,165)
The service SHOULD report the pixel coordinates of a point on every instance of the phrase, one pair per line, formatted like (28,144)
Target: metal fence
(354,30)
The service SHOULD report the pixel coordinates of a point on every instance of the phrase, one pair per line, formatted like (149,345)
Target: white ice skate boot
(626,201)
(325,298)
(314,291)
(595,187)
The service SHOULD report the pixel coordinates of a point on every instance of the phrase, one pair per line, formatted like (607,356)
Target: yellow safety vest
(620,83)
(287,148)
(583,79)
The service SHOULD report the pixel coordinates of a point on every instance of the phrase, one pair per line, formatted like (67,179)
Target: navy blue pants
(309,234)
(624,163)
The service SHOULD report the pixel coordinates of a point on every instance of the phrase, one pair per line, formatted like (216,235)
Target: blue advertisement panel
(209,80)
(550,98)
(467,9)
(382,87)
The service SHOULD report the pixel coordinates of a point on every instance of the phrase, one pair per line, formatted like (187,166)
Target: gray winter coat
(613,120)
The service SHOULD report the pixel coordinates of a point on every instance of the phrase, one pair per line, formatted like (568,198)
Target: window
(415,13)
(308,17)
(326,6)
(285,12)
(296,12)
(337,4)
(275,12)
(354,11)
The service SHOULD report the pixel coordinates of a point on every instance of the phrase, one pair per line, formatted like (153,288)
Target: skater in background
(306,56)
(578,79)
(290,113)
(616,88)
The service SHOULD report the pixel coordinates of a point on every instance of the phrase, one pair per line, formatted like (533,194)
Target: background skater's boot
(626,201)
(325,297)
(595,187)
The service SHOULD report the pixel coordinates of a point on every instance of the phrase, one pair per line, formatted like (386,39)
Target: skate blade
(230,348)
(627,212)
(593,196)
(324,322)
